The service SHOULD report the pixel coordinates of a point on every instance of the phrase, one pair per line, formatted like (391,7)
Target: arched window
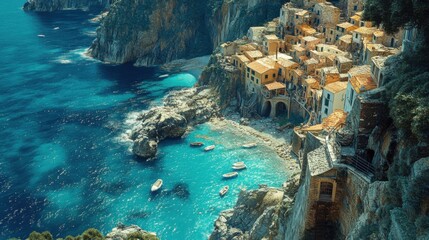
(326,189)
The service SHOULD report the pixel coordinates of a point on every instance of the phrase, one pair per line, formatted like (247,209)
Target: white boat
(41,35)
(223,191)
(163,76)
(209,148)
(249,145)
(239,167)
(237,164)
(230,175)
(56,28)
(157,185)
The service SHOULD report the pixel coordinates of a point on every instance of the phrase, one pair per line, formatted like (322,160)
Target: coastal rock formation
(56,5)
(181,109)
(122,232)
(258,214)
(154,32)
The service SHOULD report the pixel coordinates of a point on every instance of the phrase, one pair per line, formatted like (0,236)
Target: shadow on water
(180,190)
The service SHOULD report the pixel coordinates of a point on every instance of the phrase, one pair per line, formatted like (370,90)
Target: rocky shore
(181,110)
(258,214)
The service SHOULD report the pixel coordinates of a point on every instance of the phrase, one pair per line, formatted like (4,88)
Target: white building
(333,98)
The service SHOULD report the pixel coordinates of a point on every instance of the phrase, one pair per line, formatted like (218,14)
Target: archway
(266,109)
(281,109)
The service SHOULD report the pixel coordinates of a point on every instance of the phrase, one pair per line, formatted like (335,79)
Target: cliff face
(155,32)
(56,5)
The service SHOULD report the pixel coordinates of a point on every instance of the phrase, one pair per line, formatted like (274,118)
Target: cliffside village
(317,60)
(314,60)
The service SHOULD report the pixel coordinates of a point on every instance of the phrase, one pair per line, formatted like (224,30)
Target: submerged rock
(181,109)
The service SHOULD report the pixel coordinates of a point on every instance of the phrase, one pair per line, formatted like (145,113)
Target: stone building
(333,98)
(356,85)
(354,6)
(325,13)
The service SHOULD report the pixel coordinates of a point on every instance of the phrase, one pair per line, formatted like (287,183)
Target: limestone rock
(155,32)
(122,232)
(181,109)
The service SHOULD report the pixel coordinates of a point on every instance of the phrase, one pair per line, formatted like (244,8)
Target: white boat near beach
(163,76)
(223,191)
(157,185)
(230,175)
(239,167)
(237,164)
(249,145)
(209,148)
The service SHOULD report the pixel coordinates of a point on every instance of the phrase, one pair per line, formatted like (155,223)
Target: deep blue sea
(63,166)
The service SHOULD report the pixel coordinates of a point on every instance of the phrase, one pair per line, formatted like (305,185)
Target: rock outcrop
(154,32)
(258,214)
(122,232)
(181,109)
(57,5)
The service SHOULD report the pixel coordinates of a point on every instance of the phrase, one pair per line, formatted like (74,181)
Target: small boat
(249,145)
(239,167)
(56,28)
(238,164)
(209,148)
(223,191)
(41,35)
(163,76)
(196,144)
(230,175)
(157,185)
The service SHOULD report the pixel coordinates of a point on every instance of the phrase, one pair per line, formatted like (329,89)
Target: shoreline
(278,142)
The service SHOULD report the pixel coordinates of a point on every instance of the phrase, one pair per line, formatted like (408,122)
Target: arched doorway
(266,109)
(281,109)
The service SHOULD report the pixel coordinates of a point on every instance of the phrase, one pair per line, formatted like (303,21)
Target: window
(326,189)
(326,111)
(352,93)
(326,102)
(240,64)
(296,16)
(362,24)
(253,72)
(355,7)
(332,32)
(266,76)
(253,79)
(324,30)
(247,74)
(248,69)
(257,81)
(328,96)
(274,75)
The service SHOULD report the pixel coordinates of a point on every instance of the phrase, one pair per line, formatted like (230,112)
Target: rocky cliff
(154,32)
(56,5)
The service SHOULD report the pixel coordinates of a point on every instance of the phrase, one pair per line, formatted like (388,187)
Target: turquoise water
(63,167)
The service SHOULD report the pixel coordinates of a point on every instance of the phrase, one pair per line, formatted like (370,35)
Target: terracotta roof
(307,28)
(362,83)
(287,63)
(303,58)
(275,86)
(345,25)
(335,119)
(356,17)
(329,70)
(254,54)
(242,58)
(365,30)
(262,65)
(298,72)
(379,60)
(311,61)
(336,87)
(378,33)
(247,47)
(302,13)
(309,38)
(363,69)
(346,38)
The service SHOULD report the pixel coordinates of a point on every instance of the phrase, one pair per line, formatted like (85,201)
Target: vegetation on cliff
(92,234)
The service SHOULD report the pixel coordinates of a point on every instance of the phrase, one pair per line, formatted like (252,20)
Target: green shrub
(141,236)
(40,236)
(92,234)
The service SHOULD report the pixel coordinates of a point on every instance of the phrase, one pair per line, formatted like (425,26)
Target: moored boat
(157,185)
(41,35)
(237,164)
(223,191)
(230,175)
(164,76)
(209,148)
(196,144)
(239,167)
(249,145)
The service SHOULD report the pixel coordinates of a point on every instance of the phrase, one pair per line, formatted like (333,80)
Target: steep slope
(154,32)
(56,5)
